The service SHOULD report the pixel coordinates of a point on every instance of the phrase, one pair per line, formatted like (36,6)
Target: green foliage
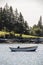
(40,22)
(38,29)
(12,21)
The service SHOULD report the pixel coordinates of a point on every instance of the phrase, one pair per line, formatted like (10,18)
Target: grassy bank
(3,33)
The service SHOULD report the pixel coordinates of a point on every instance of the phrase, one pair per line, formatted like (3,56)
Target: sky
(30,9)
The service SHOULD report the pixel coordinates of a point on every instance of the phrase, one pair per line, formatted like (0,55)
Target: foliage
(12,21)
(37,29)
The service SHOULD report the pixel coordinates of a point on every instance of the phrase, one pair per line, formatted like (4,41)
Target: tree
(11,9)
(10,21)
(1,25)
(26,27)
(6,7)
(21,17)
(16,14)
(40,22)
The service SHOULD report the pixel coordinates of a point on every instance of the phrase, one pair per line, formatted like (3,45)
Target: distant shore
(21,41)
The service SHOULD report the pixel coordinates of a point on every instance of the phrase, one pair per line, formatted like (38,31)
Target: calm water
(20,58)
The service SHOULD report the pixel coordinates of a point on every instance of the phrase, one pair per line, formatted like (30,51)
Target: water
(20,58)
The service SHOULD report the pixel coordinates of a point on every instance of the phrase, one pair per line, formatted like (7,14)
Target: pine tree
(21,19)
(1,24)
(40,22)
(16,15)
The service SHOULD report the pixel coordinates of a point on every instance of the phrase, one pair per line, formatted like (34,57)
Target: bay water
(20,58)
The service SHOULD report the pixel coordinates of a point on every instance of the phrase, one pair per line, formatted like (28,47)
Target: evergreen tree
(26,27)
(16,15)
(40,22)
(10,21)
(21,19)
(1,24)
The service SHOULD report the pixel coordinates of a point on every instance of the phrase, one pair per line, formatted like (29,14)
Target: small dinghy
(32,48)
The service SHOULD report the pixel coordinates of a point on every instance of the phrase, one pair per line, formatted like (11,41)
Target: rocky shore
(23,40)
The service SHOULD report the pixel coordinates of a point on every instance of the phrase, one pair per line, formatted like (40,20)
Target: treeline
(11,20)
(37,29)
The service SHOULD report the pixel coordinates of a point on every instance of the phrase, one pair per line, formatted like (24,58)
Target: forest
(11,20)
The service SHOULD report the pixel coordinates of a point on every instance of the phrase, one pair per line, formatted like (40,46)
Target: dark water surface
(20,58)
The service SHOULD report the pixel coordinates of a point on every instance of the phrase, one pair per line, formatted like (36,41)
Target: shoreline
(20,41)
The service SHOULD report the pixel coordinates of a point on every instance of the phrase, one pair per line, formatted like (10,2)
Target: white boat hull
(33,48)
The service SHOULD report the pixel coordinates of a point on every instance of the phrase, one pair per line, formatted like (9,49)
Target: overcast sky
(30,9)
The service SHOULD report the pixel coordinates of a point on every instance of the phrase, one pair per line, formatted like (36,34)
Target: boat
(32,48)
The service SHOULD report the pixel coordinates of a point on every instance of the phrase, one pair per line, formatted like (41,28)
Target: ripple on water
(20,58)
